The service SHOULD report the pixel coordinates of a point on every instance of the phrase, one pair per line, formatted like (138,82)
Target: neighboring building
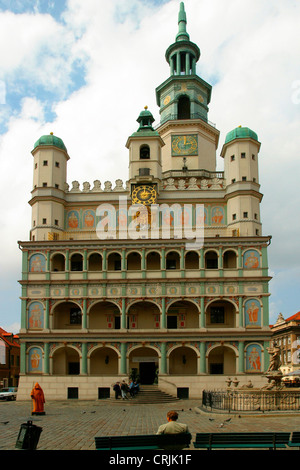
(101,299)
(286,333)
(9,359)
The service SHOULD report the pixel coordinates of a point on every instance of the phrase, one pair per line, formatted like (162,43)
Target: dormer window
(144,152)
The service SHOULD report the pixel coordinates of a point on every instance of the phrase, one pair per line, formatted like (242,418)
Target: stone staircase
(148,394)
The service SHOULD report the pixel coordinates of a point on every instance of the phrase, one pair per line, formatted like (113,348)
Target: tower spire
(182,34)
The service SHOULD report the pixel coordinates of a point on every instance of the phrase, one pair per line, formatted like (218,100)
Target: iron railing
(256,400)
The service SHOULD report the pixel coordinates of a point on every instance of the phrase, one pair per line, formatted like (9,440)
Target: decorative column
(163,313)
(123,315)
(241,316)
(84,314)
(202,313)
(83,359)
(202,358)
(23,358)
(241,357)
(123,367)
(46,358)
(163,360)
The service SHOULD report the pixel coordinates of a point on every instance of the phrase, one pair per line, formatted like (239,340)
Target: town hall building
(163,277)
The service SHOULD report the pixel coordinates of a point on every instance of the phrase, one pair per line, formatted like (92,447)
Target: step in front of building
(148,394)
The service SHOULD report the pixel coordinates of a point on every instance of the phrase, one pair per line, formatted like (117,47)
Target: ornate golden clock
(144,194)
(184,145)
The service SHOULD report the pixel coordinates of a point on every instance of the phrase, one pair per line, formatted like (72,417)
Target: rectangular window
(245,215)
(75,316)
(44,221)
(56,222)
(232,158)
(45,163)
(233,180)
(45,185)
(244,178)
(233,216)
(172,322)
(56,186)
(217,315)
(57,164)
(243,155)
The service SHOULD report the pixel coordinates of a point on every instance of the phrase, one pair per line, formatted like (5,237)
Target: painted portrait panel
(37,263)
(252,312)
(253,358)
(251,259)
(217,215)
(35,363)
(89,219)
(36,315)
(73,220)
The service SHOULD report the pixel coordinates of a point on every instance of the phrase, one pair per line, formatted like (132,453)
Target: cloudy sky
(85,69)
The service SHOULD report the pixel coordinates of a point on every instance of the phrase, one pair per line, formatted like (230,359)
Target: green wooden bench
(150,442)
(242,440)
(294,439)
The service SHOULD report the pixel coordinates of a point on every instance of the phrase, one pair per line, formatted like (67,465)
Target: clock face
(144,194)
(184,145)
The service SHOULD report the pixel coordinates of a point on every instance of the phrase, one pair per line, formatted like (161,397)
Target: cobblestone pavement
(72,424)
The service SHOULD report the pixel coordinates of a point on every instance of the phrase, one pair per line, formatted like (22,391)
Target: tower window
(243,155)
(144,152)
(55,222)
(245,215)
(232,158)
(253,156)
(44,221)
(57,164)
(233,180)
(244,178)
(45,163)
(44,185)
(183,110)
(56,186)
(233,216)
(35,166)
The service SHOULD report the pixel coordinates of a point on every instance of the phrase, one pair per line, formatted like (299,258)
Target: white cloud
(249,52)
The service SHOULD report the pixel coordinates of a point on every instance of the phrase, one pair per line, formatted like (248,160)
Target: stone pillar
(241,357)
(163,361)
(46,358)
(83,359)
(202,358)
(123,365)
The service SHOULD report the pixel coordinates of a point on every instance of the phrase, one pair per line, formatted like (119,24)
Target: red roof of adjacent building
(294,317)
(9,338)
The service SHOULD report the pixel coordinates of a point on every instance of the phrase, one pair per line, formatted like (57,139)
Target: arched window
(184,111)
(144,152)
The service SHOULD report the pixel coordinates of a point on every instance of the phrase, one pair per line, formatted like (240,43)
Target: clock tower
(145,170)
(183,99)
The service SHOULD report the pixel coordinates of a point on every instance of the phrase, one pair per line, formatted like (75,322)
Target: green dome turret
(51,140)
(240,133)
(145,121)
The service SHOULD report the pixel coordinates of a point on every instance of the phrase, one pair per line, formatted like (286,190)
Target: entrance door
(147,372)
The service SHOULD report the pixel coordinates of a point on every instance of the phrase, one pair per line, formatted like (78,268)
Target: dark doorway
(147,372)
(216,368)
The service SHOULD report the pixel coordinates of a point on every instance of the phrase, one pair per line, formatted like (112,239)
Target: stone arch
(76,261)
(230,257)
(134,260)
(221,313)
(183,360)
(94,261)
(143,361)
(103,360)
(182,313)
(66,315)
(114,261)
(104,314)
(143,314)
(66,360)
(222,359)
(172,259)
(153,260)
(192,259)
(211,258)
(57,262)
